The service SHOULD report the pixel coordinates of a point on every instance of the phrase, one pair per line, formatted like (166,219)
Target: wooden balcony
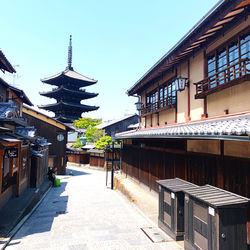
(230,76)
(163,104)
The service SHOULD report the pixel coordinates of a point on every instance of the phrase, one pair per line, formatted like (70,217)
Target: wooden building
(119,125)
(21,150)
(54,131)
(68,93)
(78,155)
(195,116)
(14,151)
(96,157)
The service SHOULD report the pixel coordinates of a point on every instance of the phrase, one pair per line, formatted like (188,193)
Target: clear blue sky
(114,42)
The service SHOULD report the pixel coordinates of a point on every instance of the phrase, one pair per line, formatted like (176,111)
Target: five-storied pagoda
(68,93)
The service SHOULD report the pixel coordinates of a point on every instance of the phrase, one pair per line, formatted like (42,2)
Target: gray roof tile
(230,126)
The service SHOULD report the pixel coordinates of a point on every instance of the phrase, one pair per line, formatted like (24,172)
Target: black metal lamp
(139,105)
(180,83)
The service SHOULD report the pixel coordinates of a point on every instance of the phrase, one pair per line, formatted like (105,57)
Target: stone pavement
(17,207)
(83,214)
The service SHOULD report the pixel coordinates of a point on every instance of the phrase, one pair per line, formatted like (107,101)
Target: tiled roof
(20,93)
(96,151)
(29,133)
(26,131)
(5,64)
(69,75)
(7,110)
(111,122)
(223,127)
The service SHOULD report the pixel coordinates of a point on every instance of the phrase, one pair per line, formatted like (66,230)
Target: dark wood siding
(151,160)
(56,149)
(96,161)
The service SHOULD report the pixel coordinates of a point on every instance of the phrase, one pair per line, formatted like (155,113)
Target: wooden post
(220,162)
(19,170)
(1,172)
(189,118)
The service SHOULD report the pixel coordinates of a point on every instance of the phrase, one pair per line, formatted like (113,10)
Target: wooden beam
(44,118)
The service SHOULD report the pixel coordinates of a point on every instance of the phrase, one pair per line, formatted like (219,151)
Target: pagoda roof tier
(62,105)
(67,118)
(69,77)
(59,92)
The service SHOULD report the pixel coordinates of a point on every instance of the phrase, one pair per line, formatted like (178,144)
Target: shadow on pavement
(74,172)
(41,220)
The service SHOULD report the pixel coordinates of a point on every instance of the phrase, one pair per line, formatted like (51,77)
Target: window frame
(215,72)
(162,97)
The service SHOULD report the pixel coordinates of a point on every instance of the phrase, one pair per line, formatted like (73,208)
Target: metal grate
(155,234)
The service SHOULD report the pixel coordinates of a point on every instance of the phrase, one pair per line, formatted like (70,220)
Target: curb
(5,241)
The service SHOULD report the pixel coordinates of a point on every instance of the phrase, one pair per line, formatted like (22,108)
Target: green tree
(93,134)
(103,141)
(85,122)
(77,144)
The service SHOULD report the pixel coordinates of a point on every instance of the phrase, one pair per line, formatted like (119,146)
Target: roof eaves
(198,25)
(104,125)
(48,117)
(6,63)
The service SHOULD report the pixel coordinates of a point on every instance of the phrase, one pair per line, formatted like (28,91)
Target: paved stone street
(84,214)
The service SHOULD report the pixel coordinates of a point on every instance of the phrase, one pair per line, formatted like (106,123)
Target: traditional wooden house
(23,155)
(195,114)
(119,125)
(14,151)
(96,157)
(68,93)
(54,131)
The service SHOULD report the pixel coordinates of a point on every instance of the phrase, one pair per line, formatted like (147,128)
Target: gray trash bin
(171,206)
(214,219)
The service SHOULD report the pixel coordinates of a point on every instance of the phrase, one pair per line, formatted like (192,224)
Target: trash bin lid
(216,197)
(176,184)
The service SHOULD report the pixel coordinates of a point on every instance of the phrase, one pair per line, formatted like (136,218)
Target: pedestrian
(52,174)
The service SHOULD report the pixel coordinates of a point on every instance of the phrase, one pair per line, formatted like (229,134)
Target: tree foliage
(93,134)
(85,122)
(102,142)
(77,144)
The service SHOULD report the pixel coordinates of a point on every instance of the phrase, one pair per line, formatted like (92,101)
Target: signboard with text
(11,152)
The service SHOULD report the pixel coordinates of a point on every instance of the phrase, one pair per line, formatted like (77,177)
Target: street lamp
(180,83)
(112,168)
(139,105)
(83,140)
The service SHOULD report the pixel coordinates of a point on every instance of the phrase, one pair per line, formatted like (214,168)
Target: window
(245,47)
(161,98)
(229,62)
(166,94)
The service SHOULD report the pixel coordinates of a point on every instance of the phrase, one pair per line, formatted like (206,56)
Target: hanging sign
(11,152)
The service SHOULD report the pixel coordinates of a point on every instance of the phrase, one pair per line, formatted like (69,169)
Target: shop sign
(11,152)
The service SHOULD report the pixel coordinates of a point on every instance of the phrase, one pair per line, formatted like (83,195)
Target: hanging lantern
(138,106)
(180,83)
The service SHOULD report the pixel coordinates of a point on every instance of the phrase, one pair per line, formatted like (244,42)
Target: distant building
(54,131)
(119,125)
(68,93)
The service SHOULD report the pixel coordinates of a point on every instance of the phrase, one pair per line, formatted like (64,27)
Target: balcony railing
(158,106)
(223,79)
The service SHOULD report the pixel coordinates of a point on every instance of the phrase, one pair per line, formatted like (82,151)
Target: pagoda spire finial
(70,54)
